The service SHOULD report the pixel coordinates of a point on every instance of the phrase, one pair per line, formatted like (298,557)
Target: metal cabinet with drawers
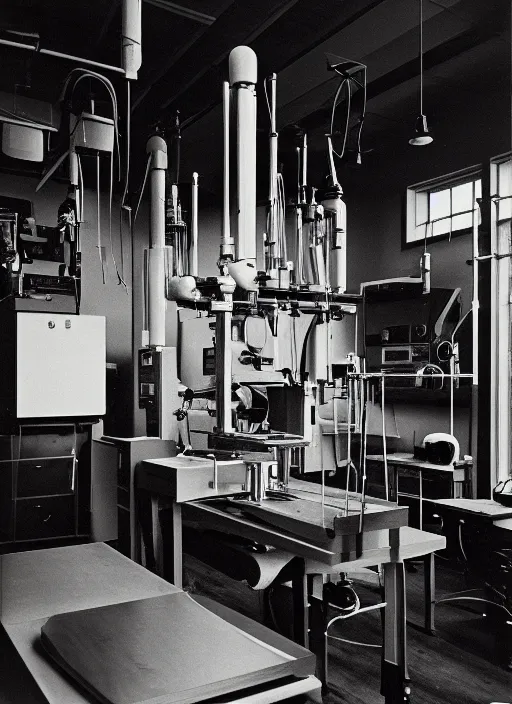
(44,483)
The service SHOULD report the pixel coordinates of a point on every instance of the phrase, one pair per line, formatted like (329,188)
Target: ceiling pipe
(60,55)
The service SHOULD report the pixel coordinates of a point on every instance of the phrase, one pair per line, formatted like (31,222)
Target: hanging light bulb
(422,135)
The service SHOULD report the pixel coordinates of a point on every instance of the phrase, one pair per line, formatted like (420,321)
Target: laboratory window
(443,207)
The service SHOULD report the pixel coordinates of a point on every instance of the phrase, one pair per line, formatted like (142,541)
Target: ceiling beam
(182,11)
(238,22)
(434,57)
(297,30)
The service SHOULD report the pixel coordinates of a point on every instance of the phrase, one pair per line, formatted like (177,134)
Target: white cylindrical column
(242,78)
(227,245)
(131,37)
(157,148)
(335,206)
(193,265)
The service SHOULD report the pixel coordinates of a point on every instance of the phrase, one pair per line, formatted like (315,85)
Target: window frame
(501,332)
(440,183)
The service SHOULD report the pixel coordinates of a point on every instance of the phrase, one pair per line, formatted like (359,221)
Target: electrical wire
(363,114)
(148,162)
(349,99)
(120,280)
(266,97)
(123,205)
(98,217)
(110,88)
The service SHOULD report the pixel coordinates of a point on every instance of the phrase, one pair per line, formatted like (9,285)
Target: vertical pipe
(157,148)
(131,37)
(384,439)
(193,263)
(242,77)
(223,362)
(274,250)
(227,243)
(475,305)
(304,174)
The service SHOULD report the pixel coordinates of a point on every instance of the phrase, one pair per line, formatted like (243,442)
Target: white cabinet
(60,365)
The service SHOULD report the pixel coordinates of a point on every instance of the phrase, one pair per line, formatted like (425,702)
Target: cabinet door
(60,370)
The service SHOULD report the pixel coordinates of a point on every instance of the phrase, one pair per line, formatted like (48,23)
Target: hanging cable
(344,82)
(120,280)
(421,55)
(98,218)
(148,162)
(123,205)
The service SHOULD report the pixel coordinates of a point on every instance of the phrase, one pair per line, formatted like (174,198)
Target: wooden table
(381,538)
(406,463)
(38,585)
(491,521)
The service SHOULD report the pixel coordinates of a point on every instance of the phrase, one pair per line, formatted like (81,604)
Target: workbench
(65,582)
(405,464)
(487,527)
(386,541)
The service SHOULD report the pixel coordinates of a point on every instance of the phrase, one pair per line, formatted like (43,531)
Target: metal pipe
(223,362)
(273,243)
(227,248)
(157,148)
(304,174)
(384,440)
(60,55)
(242,77)
(475,304)
(131,37)
(193,267)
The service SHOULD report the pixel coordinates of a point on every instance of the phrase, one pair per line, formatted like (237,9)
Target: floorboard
(459,665)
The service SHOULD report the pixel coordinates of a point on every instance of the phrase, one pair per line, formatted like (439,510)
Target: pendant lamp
(422,136)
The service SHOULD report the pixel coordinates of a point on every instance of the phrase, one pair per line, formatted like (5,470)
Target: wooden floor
(459,665)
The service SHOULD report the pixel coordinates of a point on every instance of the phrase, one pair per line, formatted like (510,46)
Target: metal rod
(379,375)
(475,304)
(187,12)
(60,55)
(193,265)
(223,361)
(384,439)
(349,442)
(227,245)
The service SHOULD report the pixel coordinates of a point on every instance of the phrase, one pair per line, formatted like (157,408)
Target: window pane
(439,204)
(462,222)
(478,188)
(441,227)
(462,197)
(505,178)
(505,209)
(417,234)
(421,208)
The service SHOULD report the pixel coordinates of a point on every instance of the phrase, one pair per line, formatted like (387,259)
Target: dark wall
(109,299)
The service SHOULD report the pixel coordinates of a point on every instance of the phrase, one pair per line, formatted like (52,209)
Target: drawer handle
(45,520)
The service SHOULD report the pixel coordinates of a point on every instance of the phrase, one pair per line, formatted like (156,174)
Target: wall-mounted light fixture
(422,135)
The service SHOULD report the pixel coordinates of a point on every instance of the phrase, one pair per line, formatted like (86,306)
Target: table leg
(318,606)
(171,541)
(144,527)
(394,686)
(300,596)
(421,500)
(430,592)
